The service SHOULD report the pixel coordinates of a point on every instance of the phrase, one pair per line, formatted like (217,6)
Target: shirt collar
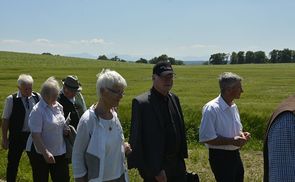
(19,94)
(223,104)
(43,104)
(159,95)
(92,112)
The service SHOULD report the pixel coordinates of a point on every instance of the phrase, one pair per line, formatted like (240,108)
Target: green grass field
(264,87)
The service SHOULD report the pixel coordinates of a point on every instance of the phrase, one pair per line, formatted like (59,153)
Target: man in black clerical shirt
(157,134)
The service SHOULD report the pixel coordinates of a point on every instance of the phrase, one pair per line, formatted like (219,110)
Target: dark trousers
(226,165)
(181,178)
(174,168)
(17,144)
(59,171)
(120,179)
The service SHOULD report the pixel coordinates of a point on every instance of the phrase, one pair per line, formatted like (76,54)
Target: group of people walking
(36,123)
(157,146)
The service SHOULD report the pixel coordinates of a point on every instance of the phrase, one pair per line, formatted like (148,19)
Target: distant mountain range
(193,62)
(82,55)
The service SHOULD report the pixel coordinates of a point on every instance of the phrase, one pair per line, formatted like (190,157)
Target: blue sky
(184,29)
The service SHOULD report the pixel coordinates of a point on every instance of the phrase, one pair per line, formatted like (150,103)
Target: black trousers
(226,165)
(17,144)
(174,168)
(59,171)
(180,178)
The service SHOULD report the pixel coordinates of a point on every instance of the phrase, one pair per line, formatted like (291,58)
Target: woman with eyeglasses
(99,149)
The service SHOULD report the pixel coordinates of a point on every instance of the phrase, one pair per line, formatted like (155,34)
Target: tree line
(154,60)
(258,57)
(105,58)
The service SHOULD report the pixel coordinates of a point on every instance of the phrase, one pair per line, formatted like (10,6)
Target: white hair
(24,79)
(228,80)
(108,79)
(48,87)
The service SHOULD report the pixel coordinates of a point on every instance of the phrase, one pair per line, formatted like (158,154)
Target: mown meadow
(265,85)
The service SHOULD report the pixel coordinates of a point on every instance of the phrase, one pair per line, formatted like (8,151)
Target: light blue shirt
(49,121)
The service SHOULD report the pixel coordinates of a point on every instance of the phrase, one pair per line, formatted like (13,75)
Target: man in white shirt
(15,130)
(221,130)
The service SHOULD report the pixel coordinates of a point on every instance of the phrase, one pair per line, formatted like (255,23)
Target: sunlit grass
(264,87)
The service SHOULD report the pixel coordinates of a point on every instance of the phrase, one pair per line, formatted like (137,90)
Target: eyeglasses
(119,93)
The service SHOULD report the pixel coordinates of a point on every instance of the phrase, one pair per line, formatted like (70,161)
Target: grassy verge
(197,162)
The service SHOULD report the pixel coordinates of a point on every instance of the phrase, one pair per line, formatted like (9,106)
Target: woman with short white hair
(46,146)
(99,148)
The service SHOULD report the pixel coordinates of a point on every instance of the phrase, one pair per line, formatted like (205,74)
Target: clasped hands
(241,139)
